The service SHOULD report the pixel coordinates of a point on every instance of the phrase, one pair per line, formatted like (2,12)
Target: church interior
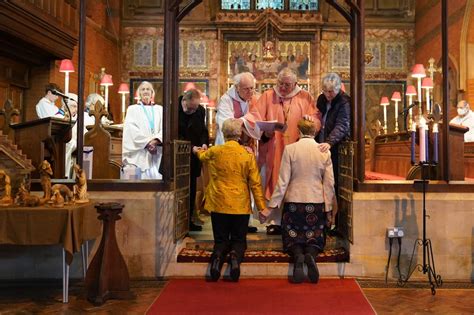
(395,216)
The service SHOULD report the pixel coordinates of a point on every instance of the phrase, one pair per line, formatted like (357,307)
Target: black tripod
(428,265)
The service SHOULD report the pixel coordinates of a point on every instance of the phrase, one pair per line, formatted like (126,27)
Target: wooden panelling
(51,26)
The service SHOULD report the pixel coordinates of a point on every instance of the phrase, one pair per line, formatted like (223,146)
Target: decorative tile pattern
(340,55)
(160,51)
(395,55)
(197,54)
(142,53)
(374,48)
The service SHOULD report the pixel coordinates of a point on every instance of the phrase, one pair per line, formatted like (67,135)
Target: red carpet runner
(195,296)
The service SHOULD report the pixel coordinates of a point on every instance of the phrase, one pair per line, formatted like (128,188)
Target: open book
(271,125)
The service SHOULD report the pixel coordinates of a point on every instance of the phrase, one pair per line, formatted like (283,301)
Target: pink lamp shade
(396,96)
(123,88)
(384,101)
(418,71)
(411,90)
(66,66)
(189,86)
(427,83)
(106,80)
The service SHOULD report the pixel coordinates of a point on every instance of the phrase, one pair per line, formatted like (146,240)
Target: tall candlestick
(106,98)
(396,116)
(123,106)
(422,137)
(435,143)
(427,144)
(66,83)
(410,111)
(419,95)
(428,107)
(413,141)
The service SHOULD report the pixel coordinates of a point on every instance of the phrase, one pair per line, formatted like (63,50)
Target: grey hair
(332,81)
(92,99)
(152,89)
(287,73)
(232,129)
(238,77)
(73,97)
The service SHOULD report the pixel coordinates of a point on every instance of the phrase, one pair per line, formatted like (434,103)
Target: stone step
(264,270)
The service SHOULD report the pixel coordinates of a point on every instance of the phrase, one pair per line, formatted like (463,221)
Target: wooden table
(69,226)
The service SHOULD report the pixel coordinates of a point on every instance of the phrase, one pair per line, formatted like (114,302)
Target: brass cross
(432,69)
(8,111)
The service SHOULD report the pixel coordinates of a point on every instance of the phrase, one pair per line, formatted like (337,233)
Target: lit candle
(422,137)
(106,82)
(410,92)
(384,102)
(418,72)
(427,84)
(66,66)
(413,141)
(396,97)
(435,143)
(123,89)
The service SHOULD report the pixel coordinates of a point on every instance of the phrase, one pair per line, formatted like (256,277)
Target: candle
(413,141)
(123,103)
(410,111)
(427,84)
(428,107)
(106,81)
(66,83)
(123,89)
(384,102)
(435,143)
(396,97)
(422,137)
(106,98)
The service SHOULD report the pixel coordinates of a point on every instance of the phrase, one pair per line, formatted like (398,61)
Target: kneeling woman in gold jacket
(233,174)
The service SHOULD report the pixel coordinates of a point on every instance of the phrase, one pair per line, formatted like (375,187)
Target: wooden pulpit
(456,152)
(44,139)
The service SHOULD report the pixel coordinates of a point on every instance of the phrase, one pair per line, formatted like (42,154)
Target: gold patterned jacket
(233,173)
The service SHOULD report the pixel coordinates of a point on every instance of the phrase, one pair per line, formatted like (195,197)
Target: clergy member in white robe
(465,118)
(143,134)
(46,106)
(239,102)
(71,146)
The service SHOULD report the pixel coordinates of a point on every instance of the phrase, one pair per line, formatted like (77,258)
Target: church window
(235,4)
(270,4)
(304,5)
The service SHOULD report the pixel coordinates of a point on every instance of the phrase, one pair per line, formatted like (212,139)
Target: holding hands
(263,215)
(197,149)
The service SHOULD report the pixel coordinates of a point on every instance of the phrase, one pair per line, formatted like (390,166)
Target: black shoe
(234,267)
(193,227)
(274,229)
(313,272)
(298,271)
(216,266)
(252,229)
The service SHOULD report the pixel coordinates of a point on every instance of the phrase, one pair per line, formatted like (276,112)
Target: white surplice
(466,121)
(46,108)
(137,133)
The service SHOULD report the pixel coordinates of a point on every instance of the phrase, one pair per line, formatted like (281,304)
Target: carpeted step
(187,255)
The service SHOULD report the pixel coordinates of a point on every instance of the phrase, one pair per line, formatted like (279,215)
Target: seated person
(71,146)
(143,134)
(465,118)
(46,106)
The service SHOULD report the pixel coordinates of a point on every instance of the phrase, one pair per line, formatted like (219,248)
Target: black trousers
(230,234)
(300,249)
(192,197)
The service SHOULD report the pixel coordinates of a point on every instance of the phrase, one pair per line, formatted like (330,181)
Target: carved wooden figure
(45,172)
(65,192)
(7,199)
(80,188)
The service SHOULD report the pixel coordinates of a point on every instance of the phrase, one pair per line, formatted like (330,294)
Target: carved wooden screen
(346,180)
(182,156)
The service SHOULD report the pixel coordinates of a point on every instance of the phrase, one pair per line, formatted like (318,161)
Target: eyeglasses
(285,84)
(247,89)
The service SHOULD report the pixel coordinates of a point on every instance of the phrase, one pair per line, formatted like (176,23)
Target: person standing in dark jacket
(335,109)
(192,127)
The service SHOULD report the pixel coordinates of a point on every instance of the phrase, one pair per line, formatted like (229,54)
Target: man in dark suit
(192,127)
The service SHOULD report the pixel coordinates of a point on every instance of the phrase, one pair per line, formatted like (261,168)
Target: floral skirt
(303,224)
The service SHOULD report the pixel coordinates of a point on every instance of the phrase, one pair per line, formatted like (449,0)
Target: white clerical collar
(233,94)
(295,91)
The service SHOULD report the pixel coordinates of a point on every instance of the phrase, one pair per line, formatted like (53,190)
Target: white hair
(332,81)
(232,129)
(92,99)
(238,77)
(287,73)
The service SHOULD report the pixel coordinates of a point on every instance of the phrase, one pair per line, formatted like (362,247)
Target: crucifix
(8,111)
(432,69)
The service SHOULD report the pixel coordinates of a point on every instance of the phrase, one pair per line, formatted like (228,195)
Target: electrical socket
(394,232)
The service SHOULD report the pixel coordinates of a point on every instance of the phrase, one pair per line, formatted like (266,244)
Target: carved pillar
(107,276)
